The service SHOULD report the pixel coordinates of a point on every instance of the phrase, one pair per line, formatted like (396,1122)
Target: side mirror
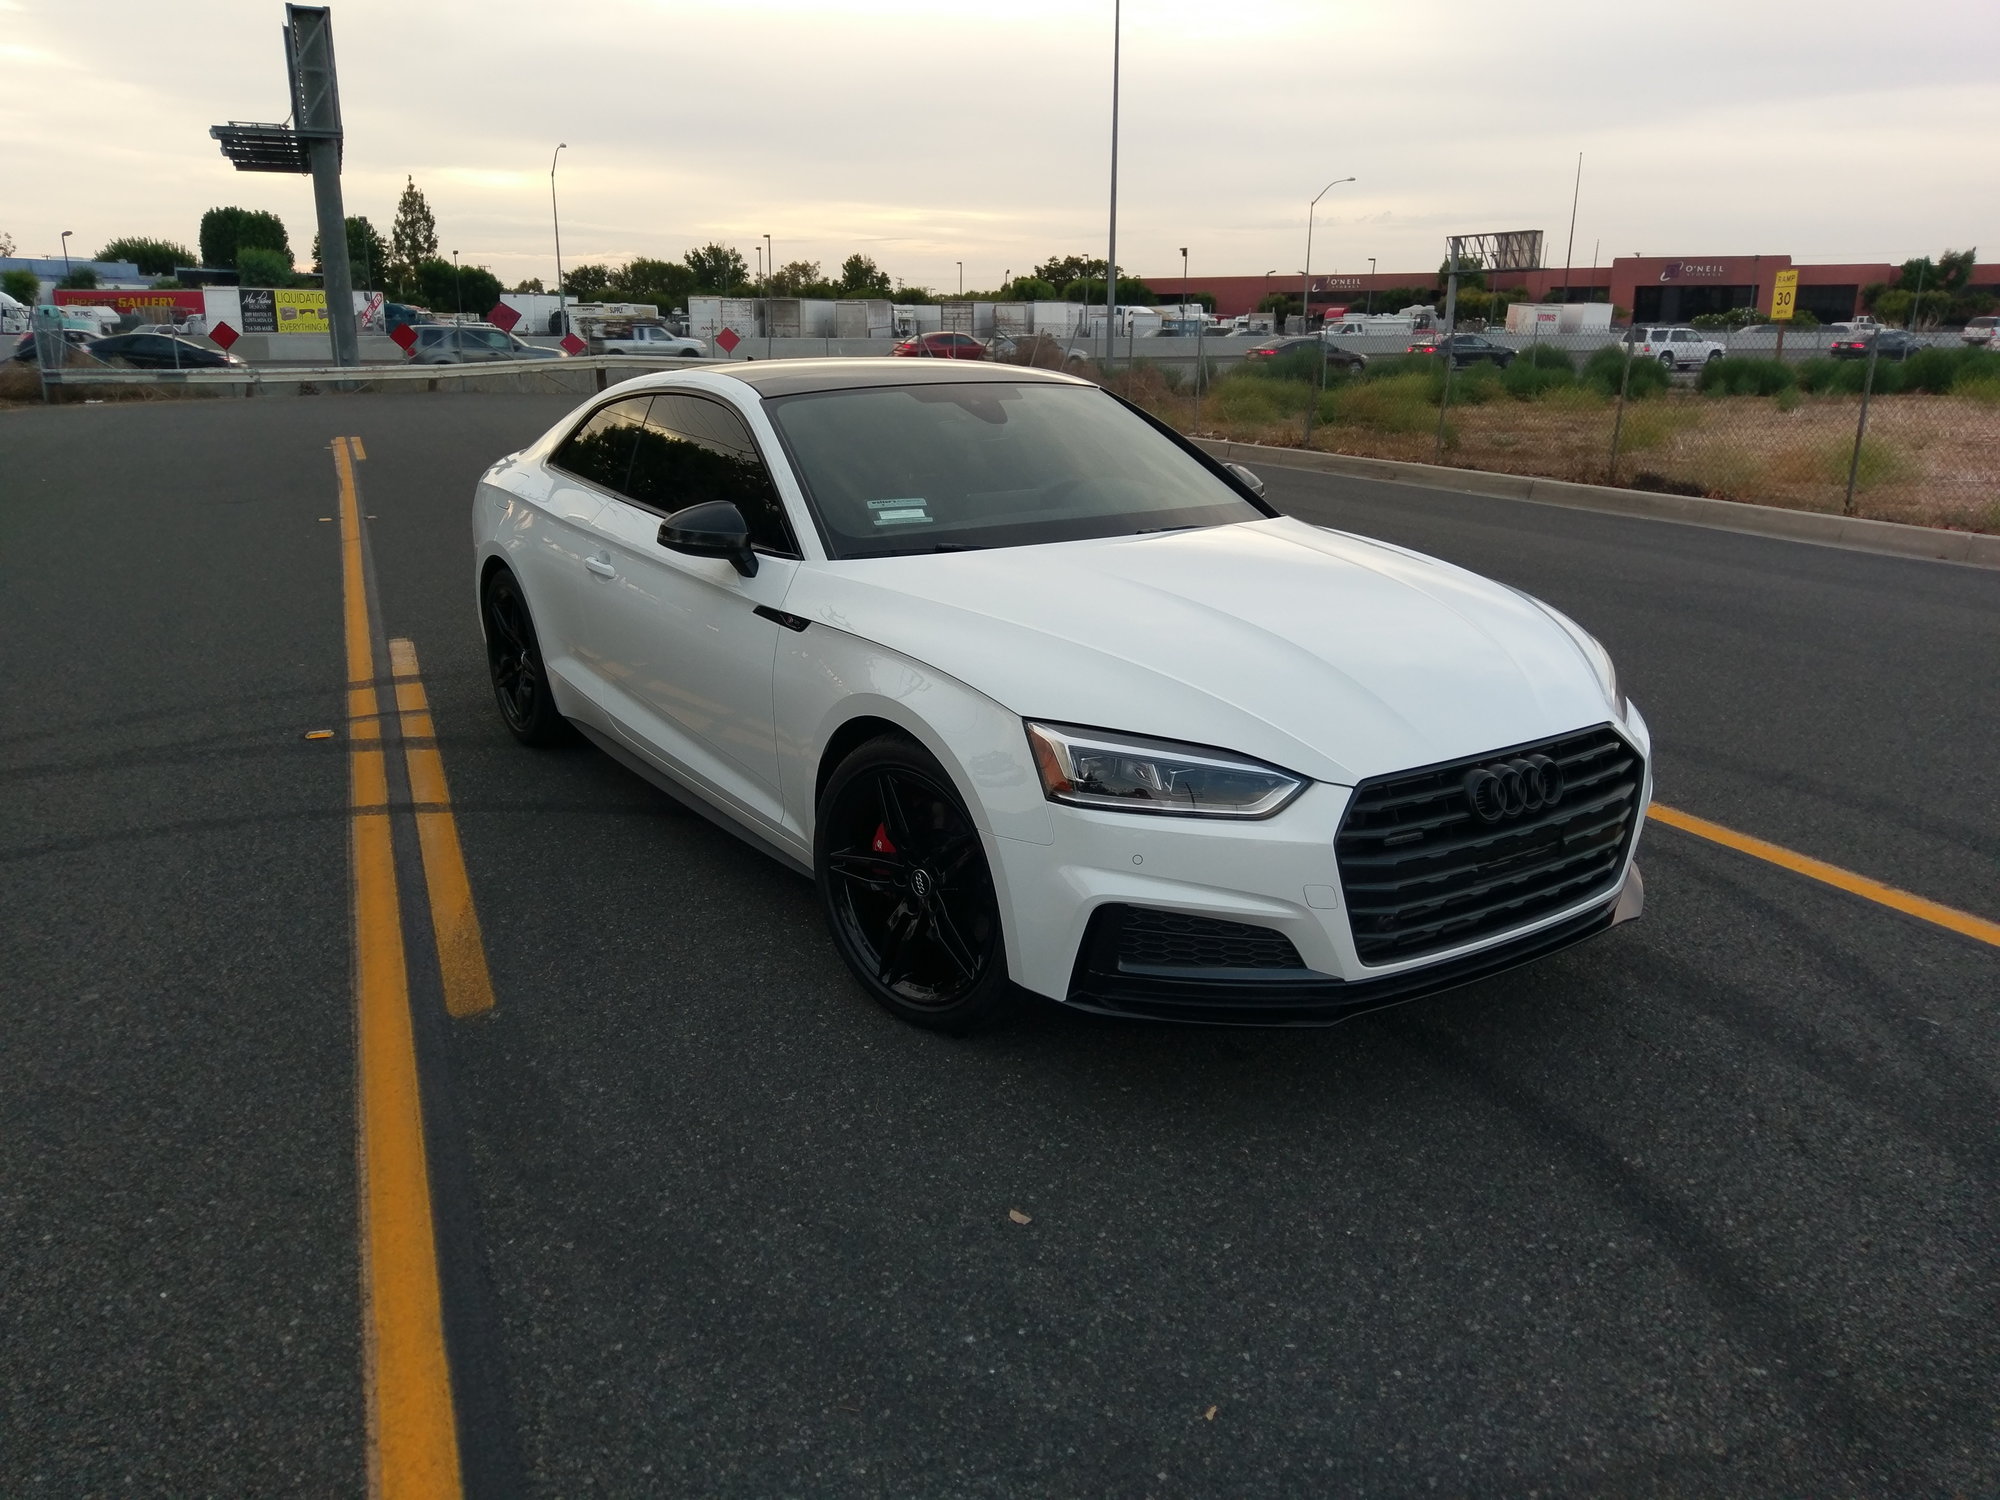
(1255,485)
(714,528)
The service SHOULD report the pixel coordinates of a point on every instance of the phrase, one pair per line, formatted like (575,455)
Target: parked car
(969,645)
(943,346)
(78,340)
(1981,331)
(1466,349)
(1890,343)
(160,351)
(650,338)
(1337,358)
(1676,348)
(471,343)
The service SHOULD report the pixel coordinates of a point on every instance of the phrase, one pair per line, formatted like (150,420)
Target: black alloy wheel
(514,656)
(903,880)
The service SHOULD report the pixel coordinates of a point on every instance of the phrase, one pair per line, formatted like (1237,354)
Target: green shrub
(1819,375)
(1845,377)
(1389,366)
(1406,403)
(1733,376)
(1546,357)
(1294,364)
(1526,380)
(1606,368)
(1940,372)
(25,287)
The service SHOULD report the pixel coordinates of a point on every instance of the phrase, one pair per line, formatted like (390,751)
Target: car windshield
(939,468)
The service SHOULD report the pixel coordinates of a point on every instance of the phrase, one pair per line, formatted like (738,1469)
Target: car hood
(1326,653)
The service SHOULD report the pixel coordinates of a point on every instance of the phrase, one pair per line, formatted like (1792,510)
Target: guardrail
(582,374)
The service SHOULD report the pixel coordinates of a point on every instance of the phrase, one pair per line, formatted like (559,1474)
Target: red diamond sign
(727,341)
(224,335)
(404,335)
(571,344)
(503,317)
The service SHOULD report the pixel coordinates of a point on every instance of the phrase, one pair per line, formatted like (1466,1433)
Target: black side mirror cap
(714,528)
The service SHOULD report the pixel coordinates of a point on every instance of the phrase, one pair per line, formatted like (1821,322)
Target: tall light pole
(1111,256)
(457,288)
(770,276)
(1305,293)
(65,249)
(1371,285)
(562,306)
(1184,303)
(961,278)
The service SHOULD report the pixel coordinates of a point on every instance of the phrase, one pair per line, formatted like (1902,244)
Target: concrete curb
(1888,538)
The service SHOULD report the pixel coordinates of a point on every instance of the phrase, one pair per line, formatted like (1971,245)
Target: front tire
(902,878)
(514,658)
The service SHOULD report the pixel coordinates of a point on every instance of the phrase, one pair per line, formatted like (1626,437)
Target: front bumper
(1102,986)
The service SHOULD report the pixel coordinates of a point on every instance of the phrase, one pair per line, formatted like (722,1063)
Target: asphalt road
(1708,1206)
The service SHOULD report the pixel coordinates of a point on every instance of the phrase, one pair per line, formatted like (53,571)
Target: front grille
(1422,872)
(1163,940)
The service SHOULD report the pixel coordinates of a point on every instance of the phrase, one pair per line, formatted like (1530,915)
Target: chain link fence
(1886,427)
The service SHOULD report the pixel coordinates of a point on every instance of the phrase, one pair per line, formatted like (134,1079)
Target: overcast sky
(925,132)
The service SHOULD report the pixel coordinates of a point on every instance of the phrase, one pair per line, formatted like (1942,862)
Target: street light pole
(457,288)
(65,249)
(562,306)
(961,278)
(1111,258)
(1305,292)
(1371,287)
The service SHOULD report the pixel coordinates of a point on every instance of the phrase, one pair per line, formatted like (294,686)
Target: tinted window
(490,338)
(923,468)
(692,451)
(601,449)
(1681,337)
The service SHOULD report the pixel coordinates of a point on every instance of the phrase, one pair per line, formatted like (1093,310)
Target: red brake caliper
(881,843)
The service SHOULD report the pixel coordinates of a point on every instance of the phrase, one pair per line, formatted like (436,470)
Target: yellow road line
(412,1431)
(354,447)
(1964,922)
(468,986)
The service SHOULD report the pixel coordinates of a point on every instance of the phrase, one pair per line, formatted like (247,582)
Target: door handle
(601,567)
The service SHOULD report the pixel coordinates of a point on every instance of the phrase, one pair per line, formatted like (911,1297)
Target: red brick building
(1652,288)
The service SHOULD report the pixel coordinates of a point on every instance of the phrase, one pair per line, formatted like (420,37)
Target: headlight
(1127,773)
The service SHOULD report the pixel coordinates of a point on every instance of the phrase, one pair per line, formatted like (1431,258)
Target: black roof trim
(792,377)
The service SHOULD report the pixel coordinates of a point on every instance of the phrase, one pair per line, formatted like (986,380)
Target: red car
(943,346)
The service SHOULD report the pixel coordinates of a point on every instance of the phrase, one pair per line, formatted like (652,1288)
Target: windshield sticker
(899,512)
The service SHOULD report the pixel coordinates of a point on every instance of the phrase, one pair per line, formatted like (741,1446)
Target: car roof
(791,377)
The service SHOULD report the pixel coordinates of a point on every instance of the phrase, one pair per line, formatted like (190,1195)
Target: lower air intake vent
(1159,941)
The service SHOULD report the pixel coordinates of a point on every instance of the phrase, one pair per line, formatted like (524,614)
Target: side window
(1682,336)
(601,449)
(694,450)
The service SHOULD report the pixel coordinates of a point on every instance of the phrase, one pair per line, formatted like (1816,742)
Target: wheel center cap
(920,884)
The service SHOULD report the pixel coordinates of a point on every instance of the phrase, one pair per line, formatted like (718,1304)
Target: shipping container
(799,317)
(914,318)
(742,316)
(975,318)
(863,318)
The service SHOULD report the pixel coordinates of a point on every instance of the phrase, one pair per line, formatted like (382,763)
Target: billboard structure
(312,143)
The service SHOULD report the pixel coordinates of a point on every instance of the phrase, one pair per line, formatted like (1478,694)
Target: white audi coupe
(1045,699)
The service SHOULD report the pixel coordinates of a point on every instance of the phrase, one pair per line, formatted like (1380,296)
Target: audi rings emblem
(1509,788)
(920,883)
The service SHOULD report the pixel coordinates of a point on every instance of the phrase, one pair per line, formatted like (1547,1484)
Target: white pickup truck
(1861,325)
(645,338)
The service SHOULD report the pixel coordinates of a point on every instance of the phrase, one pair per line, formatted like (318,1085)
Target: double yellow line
(412,1426)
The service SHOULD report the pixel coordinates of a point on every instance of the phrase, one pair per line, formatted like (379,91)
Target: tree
(226,231)
(413,237)
(664,283)
(717,267)
(532,284)
(861,277)
(367,253)
(24,287)
(1062,270)
(259,267)
(1131,292)
(7,246)
(800,278)
(443,287)
(587,283)
(1030,289)
(82,279)
(152,257)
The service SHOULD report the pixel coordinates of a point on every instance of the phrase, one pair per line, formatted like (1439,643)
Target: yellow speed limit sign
(1784,295)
